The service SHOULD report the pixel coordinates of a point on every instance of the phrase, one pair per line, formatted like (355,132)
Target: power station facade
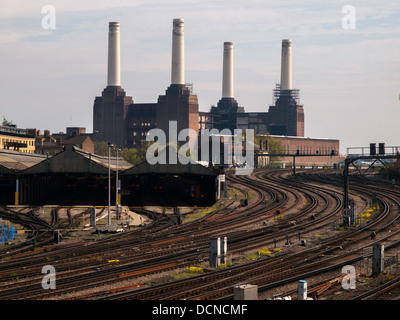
(117,119)
(40,179)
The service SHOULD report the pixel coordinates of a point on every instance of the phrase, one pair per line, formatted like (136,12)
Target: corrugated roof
(103,160)
(76,160)
(191,168)
(16,161)
(73,159)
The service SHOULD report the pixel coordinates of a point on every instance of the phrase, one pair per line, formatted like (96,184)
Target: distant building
(46,144)
(13,138)
(312,151)
(119,120)
(52,144)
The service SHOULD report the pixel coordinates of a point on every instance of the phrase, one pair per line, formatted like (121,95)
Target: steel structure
(350,161)
(297,154)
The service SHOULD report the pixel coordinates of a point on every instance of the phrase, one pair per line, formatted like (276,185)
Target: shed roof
(76,160)
(191,168)
(14,161)
(170,168)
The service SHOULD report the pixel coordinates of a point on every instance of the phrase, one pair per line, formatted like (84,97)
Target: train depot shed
(11,163)
(71,177)
(77,177)
(169,185)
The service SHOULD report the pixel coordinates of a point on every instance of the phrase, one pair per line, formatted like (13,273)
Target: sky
(346,60)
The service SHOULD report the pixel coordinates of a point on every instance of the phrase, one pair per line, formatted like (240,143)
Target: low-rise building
(13,138)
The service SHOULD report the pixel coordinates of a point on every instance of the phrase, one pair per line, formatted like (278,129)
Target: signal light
(381,148)
(372,149)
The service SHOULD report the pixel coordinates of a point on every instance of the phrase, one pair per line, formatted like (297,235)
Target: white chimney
(114,68)
(227,76)
(286,65)
(178,53)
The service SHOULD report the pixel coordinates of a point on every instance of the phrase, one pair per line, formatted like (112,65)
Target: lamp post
(109,183)
(116,183)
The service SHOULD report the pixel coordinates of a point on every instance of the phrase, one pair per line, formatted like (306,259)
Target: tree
(274,146)
(101,148)
(6,122)
(131,155)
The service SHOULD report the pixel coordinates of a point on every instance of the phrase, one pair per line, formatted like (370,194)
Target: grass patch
(264,252)
(189,272)
(252,256)
(367,214)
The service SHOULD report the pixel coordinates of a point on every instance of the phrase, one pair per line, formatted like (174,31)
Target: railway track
(279,209)
(286,277)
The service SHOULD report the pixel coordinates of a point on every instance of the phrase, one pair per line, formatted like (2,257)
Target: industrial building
(316,152)
(285,117)
(117,119)
(71,175)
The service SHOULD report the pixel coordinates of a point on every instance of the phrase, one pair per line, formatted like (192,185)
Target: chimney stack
(227,76)
(114,69)
(178,53)
(286,65)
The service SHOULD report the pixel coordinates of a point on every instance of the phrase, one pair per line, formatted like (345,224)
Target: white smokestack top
(227,76)
(114,63)
(286,65)
(178,53)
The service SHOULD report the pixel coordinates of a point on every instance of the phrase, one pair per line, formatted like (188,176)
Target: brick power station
(121,121)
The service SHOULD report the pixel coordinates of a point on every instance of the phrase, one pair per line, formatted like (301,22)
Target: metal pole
(116,183)
(346,184)
(294,165)
(109,184)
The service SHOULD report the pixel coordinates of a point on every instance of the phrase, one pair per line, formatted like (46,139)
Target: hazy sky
(349,79)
